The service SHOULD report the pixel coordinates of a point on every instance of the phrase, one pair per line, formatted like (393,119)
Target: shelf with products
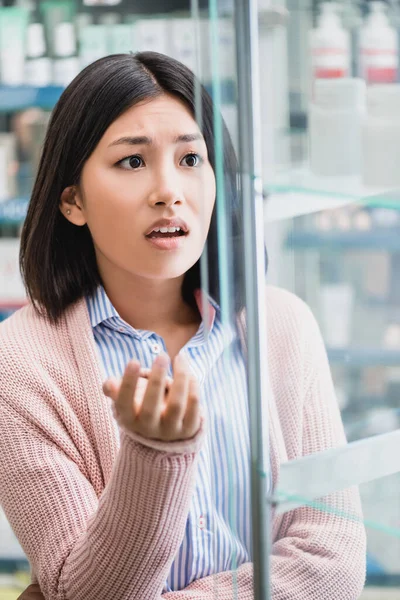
(16,98)
(344,264)
(297,191)
(365,224)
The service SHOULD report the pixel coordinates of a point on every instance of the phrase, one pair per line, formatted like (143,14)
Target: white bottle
(335,121)
(151,34)
(378,47)
(38,67)
(66,64)
(329,45)
(182,41)
(381,137)
(93,44)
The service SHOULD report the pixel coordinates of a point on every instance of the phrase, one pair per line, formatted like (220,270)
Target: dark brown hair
(57,258)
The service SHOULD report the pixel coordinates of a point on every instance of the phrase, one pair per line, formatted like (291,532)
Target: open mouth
(167,234)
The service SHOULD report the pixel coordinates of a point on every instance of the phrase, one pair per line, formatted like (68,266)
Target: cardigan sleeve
(320,556)
(82,547)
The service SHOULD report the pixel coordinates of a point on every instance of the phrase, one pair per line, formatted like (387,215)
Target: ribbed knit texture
(101,513)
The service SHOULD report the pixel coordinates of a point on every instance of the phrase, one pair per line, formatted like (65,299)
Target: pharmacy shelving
(16,98)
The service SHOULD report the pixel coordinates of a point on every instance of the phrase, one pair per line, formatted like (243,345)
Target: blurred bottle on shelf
(120,38)
(38,66)
(381,137)
(151,34)
(93,44)
(335,119)
(337,304)
(13,29)
(378,47)
(66,63)
(8,166)
(330,44)
(101,2)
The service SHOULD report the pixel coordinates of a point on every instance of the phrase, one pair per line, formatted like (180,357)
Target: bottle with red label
(329,45)
(378,47)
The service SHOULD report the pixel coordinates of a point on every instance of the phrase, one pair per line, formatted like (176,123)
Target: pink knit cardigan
(101,513)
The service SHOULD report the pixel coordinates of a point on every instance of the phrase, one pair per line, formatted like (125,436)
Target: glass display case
(332,225)
(329,122)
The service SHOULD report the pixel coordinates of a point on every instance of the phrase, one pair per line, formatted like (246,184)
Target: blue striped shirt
(218,529)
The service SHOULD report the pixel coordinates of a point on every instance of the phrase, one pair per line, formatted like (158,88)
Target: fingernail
(162,361)
(106,387)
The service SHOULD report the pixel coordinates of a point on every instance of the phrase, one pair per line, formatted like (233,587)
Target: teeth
(166,229)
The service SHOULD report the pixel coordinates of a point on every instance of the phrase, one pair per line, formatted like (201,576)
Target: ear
(71,206)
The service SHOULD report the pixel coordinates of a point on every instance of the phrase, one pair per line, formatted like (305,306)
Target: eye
(192,160)
(131,162)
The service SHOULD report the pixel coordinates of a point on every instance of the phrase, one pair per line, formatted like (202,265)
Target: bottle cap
(377,14)
(341,93)
(64,40)
(36,45)
(329,15)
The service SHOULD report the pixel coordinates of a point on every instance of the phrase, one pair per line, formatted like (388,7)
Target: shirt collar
(101,309)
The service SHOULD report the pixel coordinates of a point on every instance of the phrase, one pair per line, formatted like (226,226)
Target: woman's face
(150,164)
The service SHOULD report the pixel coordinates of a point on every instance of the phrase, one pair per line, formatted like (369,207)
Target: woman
(115,498)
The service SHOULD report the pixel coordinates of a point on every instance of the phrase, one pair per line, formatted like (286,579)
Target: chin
(166,273)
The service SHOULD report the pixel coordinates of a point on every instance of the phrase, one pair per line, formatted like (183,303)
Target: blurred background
(330,129)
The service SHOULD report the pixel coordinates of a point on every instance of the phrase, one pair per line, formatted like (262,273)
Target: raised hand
(154,406)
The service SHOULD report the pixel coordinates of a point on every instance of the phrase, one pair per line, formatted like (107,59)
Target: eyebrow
(143,139)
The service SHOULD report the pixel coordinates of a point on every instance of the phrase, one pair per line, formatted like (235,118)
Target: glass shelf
(296,192)
(364,357)
(288,204)
(381,239)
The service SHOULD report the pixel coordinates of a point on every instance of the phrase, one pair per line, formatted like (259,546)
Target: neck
(151,305)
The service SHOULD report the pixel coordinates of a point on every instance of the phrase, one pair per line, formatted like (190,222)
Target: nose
(166,192)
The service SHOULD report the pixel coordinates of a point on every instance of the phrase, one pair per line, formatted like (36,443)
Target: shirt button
(121,329)
(156,348)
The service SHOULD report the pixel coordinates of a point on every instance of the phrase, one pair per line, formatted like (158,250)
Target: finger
(124,402)
(140,391)
(111,388)
(192,418)
(177,395)
(145,374)
(149,414)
